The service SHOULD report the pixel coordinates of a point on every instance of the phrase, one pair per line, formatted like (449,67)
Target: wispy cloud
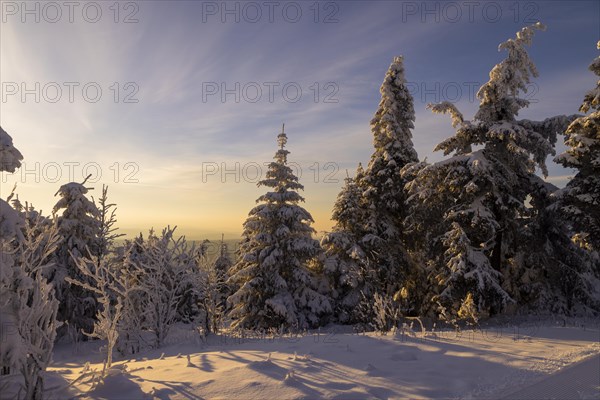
(171,54)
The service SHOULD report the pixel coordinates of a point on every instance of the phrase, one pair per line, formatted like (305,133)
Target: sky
(176,105)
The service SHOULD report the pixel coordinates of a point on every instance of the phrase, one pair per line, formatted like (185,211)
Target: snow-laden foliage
(221,267)
(131,323)
(10,160)
(392,138)
(365,252)
(163,272)
(211,289)
(276,285)
(107,280)
(78,224)
(108,285)
(10,221)
(28,307)
(344,256)
(383,185)
(551,272)
(580,200)
(10,156)
(478,197)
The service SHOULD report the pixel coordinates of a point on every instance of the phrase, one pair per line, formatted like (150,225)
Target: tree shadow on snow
(181,389)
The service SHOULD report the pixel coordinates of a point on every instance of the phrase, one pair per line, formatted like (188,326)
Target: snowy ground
(499,362)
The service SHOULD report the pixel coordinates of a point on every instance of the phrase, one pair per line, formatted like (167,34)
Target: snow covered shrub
(386,313)
(28,307)
(163,272)
(213,288)
(112,291)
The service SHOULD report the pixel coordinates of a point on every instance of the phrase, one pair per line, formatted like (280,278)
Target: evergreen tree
(580,200)
(79,227)
(383,194)
(276,286)
(344,257)
(479,194)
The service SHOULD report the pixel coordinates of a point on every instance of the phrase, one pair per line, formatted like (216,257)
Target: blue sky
(173,144)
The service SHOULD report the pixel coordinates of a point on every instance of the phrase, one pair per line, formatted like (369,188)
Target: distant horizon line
(213,237)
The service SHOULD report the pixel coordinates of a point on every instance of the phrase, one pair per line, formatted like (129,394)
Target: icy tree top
(10,157)
(394,119)
(281,177)
(495,122)
(72,196)
(499,96)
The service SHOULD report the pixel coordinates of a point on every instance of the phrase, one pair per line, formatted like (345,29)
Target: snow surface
(333,363)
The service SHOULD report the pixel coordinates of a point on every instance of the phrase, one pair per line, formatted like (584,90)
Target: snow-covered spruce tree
(383,186)
(79,226)
(344,256)
(479,195)
(276,286)
(580,200)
